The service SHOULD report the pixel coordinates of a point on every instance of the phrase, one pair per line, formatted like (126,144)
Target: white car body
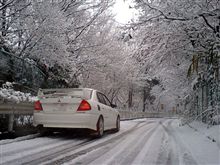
(60,109)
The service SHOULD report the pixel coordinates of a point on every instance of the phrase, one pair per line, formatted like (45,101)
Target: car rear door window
(101,99)
(106,100)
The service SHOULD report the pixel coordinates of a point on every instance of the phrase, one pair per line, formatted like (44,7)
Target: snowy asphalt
(142,141)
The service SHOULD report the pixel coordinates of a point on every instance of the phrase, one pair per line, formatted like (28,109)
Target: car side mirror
(113,105)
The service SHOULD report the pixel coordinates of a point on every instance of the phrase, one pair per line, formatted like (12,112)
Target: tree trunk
(130,93)
(144,99)
(4,27)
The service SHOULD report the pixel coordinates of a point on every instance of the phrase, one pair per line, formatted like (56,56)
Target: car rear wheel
(100,127)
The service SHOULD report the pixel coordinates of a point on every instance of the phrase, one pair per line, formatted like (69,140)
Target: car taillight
(84,106)
(38,106)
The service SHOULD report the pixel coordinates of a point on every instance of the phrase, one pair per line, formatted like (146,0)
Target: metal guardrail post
(11,122)
(12,109)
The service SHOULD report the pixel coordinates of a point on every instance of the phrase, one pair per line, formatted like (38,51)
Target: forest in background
(166,60)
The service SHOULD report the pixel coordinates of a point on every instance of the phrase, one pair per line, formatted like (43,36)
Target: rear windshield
(81,93)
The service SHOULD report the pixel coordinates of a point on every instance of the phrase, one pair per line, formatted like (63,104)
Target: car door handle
(98,107)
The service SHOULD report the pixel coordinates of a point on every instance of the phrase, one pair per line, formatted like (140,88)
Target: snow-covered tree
(176,39)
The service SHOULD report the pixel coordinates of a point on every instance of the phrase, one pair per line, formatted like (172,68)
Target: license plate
(60,108)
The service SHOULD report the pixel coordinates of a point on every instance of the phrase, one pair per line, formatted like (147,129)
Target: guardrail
(24,108)
(137,114)
(11,109)
(27,108)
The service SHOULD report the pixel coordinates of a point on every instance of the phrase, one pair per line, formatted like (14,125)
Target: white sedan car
(75,108)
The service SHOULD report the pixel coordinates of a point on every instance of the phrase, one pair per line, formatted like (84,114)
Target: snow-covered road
(143,141)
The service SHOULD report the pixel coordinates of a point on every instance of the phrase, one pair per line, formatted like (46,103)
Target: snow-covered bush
(216,120)
(8,94)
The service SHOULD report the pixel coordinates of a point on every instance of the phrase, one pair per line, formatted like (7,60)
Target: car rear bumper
(78,120)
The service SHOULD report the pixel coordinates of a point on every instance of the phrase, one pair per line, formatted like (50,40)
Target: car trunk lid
(65,100)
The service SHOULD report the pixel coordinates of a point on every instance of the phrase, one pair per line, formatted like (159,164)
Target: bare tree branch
(164,15)
(207,23)
(6,5)
(88,24)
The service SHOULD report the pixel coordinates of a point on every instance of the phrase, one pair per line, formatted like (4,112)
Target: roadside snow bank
(216,120)
(196,140)
(212,133)
(8,94)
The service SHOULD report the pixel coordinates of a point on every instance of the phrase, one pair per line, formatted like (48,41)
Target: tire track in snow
(120,150)
(134,152)
(34,146)
(167,148)
(163,154)
(150,149)
(8,141)
(177,153)
(88,149)
(52,152)
(48,151)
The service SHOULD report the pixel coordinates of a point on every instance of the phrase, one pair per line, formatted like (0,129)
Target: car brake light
(84,106)
(38,106)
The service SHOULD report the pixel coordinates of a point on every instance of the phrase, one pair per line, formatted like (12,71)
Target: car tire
(117,127)
(100,127)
